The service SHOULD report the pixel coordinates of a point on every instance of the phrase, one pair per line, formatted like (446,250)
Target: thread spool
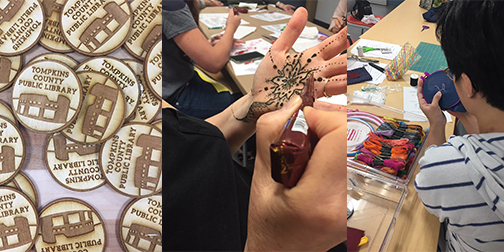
(413,80)
(360,51)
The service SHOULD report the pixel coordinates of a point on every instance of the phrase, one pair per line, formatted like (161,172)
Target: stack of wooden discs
(81,118)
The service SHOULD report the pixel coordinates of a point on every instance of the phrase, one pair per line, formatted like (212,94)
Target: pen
(377,67)
(215,28)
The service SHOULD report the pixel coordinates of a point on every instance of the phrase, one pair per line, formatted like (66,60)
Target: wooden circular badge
(65,59)
(131,160)
(102,112)
(12,150)
(18,220)
(21,25)
(147,27)
(95,27)
(51,38)
(73,165)
(149,105)
(9,68)
(24,184)
(153,69)
(158,124)
(121,73)
(140,226)
(6,111)
(70,224)
(46,96)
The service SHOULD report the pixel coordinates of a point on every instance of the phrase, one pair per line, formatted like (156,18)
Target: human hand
(233,21)
(210,3)
(282,76)
(215,39)
(310,216)
(288,8)
(432,111)
(338,25)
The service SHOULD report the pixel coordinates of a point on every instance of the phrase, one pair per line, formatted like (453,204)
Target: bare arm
(210,58)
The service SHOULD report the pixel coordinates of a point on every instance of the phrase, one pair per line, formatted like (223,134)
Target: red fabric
(351,19)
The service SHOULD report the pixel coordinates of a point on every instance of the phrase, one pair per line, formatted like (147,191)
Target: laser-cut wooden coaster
(51,38)
(140,226)
(147,27)
(121,73)
(102,111)
(9,68)
(12,150)
(6,111)
(18,220)
(73,165)
(21,25)
(158,124)
(95,27)
(149,105)
(131,160)
(65,59)
(24,184)
(72,225)
(153,69)
(46,96)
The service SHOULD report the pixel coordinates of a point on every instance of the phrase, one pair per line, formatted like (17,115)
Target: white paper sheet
(377,76)
(410,104)
(216,19)
(276,28)
(377,53)
(242,31)
(271,16)
(248,68)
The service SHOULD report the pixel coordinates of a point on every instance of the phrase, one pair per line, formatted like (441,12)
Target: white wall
(325,10)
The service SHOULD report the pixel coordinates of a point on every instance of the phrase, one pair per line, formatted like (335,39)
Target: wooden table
(415,229)
(244,83)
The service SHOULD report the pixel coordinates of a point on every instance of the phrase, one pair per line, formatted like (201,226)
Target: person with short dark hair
(461,180)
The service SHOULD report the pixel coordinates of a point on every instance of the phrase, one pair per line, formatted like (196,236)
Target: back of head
(471,33)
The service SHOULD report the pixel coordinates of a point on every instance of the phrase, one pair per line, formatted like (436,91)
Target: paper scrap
(216,19)
(271,16)
(411,105)
(242,31)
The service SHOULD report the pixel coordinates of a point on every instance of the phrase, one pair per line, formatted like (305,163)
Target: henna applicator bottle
(292,149)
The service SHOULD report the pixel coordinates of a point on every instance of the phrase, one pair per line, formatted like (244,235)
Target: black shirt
(205,195)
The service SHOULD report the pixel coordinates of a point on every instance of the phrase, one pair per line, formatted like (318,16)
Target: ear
(467,85)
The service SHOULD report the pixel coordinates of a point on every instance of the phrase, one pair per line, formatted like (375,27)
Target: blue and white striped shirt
(462,182)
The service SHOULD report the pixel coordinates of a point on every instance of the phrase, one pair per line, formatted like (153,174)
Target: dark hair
(471,35)
(193,7)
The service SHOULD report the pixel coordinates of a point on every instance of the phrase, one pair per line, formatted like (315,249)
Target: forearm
(436,135)
(235,131)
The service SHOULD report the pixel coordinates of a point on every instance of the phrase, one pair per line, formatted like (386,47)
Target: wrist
(279,5)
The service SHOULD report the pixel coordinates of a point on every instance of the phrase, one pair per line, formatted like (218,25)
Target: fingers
(333,45)
(334,66)
(334,86)
(436,98)
(327,165)
(291,32)
(420,91)
(268,128)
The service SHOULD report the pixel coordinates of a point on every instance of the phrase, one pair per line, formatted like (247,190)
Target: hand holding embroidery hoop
(439,81)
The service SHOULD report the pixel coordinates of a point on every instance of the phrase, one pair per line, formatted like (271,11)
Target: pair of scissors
(271,38)
(355,57)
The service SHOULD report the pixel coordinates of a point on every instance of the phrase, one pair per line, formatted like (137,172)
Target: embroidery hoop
(450,99)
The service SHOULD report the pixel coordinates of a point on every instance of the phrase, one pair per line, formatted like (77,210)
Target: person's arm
(437,120)
(210,58)
(269,91)
(286,7)
(337,18)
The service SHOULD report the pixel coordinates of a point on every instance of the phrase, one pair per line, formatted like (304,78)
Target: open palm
(281,75)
